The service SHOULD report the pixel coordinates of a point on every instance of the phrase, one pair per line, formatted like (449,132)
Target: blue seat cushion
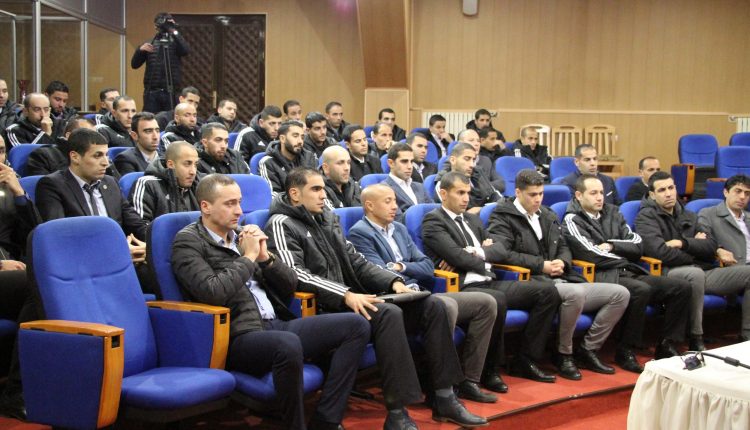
(515,318)
(262,388)
(711,301)
(368,357)
(175,387)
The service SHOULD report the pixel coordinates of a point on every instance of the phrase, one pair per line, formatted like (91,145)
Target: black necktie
(90,188)
(464,232)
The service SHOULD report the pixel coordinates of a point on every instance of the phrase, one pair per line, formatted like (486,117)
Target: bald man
(342,191)
(387,243)
(34,125)
(183,127)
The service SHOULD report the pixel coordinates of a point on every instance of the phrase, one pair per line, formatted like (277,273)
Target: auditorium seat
(115,150)
(508,168)
(429,186)
(256,193)
(560,208)
(740,139)
(697,205)
(348,217)
(127,181)
(555,194)
(623,184)
(255,163)
(560,167)
(629,211)
(259,218)
(373,178)
(28,183)
(732,160)
(18,156)
(384,164)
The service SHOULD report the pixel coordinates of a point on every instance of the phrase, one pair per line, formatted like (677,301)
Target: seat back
(348,217)
(542,129)
(564,140)
(232,139)
(485,212)
(259,218)
(602,137)
(443,162)
(740,139)
(373,178)
(368,130)
(413,220)
(629,211)
(93,280)
(698,149)
(450,147)
(256,193)
(429,186)
(732,160)
(555,194)
(697,205)
(560,208)
(126,182)
(255,163)
(28,183)
(384,164)
(159,251)
(508,168)
(432,153)
(623,184)
(19,156)
(115,150)
(561,167)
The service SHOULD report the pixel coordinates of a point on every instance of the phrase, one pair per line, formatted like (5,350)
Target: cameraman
(162,57)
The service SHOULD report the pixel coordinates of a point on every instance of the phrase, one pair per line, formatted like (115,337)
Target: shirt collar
(80,180)
(521,209)
(451,214)
(399,181)
(218,239)
(388,230)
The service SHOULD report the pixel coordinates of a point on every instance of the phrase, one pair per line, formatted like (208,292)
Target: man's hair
(657,176)
(223,102)
(119,99)
(740,179)
(297,177)
(385,110)
(583,147)
(207,130)
(448,181)
(346,136)
(398,148)
(103,93)
(481,112)
(313,117)
(286,125)
(162,16)
(376,127)
(56,86)
(525,131)
(435,118)
(74,123)
(269,111)
(644,159)
(206,191)
(461,133)
(175,148)
(410,138)
(141,116)
(484,132)
(460,148)
(288,104)
(190,90)
(80,140)
(331,105)
(581,181)
(29,96)
(529,178)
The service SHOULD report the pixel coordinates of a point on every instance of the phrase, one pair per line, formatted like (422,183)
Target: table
(713,397)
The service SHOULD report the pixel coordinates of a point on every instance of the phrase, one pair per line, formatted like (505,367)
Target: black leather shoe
(566,367)
(665,349)
(589,360)
(525,368)
(470,391)
(449,409)
(696,343)
(492,381)
(625,358)
(399,420)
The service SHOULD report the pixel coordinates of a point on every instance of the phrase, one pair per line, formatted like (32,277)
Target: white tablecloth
(713,397)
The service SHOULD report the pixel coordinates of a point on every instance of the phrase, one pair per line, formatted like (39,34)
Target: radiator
(743,124)
(455,121)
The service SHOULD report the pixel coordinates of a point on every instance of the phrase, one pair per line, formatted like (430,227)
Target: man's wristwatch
(271,259)
(393,266)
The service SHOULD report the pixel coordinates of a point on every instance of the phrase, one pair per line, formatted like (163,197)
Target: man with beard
(145,132)
(341,190)
(317,139)
(462,160)
(8,108)
(363,163)
(34,125)
(263,129)
(182,128)
(115,126)
(215,156)
(58,94)
(189,95)
(284,155)
(51,158)
(226,115)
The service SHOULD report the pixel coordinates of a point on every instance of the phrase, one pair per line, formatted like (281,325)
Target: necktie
(90,188)
(464,232)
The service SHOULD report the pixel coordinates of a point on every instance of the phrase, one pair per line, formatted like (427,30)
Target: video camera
(165,23)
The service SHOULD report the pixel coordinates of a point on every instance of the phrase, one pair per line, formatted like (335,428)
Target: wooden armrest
(524,274)
(307,302)
(451,280)
(188,307)
(73,327)
(653,264)
(587,269)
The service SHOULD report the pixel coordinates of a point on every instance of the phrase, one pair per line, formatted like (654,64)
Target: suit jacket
(444,241)
(719,224)
(58,195)
(404,201)
(130,160)
(370,243)
(429,169)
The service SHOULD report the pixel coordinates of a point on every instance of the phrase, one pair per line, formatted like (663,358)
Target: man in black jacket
(263,129)
(341,190)
(528,147)
(317,139)
(292,110)
(388,116)
(285,154)
(597,233)
(51,158)
(363,163)
(438,135)
(145,133)
(34,125)
(686,250)
(218,264)
(463,160)
(8,108)
(226,115)
(422,167)
(162,56)
(183,127)
(189,95)
(116,125)
(587,161)
(492,147)
(646,167)
(335,117)
(58,94)
(215,155)
(308,238)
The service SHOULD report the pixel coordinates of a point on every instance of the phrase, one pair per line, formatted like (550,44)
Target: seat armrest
(72,372)
(524,274)
(684,178)
(303,305)
(653,265)
(445,281)
(190,334)
(586,269)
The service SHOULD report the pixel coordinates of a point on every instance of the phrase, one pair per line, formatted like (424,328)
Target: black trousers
(540,299)
(390,326)
(496,350)
(284,346)
(13,292)
(156,101)
(646,289)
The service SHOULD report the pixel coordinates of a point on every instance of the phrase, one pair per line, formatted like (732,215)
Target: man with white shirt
(408,192)
(438,135)
(145,132)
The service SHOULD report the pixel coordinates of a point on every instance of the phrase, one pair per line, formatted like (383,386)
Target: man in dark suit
(438,136)
(467,249)
(422,167)
(363,163)
(145,133)
(646,167)
(587,161)
(463,160)
(408,192)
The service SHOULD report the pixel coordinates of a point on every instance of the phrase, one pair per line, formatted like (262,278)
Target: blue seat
(560,208)
(413,221)
(555,194)
(384,164)
(697,205)
(91,117)
(259,218)
(432,153)
(429,186)
(623,184)
(19,156)
(159,255)
(450,147)
(126,182)
(485,212)
(698,149)
(715,188)
(443,162)
(232,139)
(113,151)
(256,193)
(732,160)
(255,163)
(368,130)
(162,360)
(740,139)
(348,217)
(714,303)
(629,211)
(422,130)
(373,178)
(28,183)
(560,167)
(508,168)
